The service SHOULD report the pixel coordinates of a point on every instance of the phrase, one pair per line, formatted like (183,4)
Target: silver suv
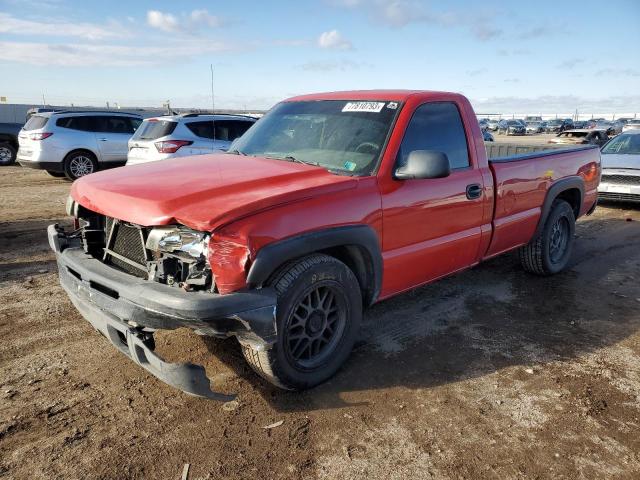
(76,143)
(183,135)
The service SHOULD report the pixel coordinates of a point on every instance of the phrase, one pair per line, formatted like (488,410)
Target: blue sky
(525,57)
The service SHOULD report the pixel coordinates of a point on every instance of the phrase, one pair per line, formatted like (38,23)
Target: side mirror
(424,164)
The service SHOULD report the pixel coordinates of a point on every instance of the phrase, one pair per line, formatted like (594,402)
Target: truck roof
(393,95)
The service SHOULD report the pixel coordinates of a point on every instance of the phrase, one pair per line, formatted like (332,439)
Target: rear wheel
(7,154)
(319,310)
(549,252)
(79,164)
(55,174)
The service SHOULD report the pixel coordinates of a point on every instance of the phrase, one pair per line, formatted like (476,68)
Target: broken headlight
(181,257)
(178,239)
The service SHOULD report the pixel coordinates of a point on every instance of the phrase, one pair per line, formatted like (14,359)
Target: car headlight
(178,239)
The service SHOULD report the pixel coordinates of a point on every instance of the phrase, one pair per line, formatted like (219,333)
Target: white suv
(183,135)
(76,143)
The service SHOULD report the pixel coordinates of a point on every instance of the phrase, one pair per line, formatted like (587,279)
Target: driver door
(432,227)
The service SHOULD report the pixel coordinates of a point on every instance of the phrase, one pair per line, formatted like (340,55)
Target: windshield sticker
(372,107)
(392,105)
(351,166)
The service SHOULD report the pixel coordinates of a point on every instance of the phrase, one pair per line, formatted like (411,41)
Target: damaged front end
(129,280)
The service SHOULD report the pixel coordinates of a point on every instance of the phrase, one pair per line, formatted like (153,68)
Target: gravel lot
(491,373)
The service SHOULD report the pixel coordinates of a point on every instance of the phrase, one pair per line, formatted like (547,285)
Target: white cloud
(332,66)
(61,28)
(334,39)
(163,21)
(400,13)
(618,72)
(185,23)
(86,55)
(558,104)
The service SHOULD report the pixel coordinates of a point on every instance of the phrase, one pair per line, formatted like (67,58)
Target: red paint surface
(427,228)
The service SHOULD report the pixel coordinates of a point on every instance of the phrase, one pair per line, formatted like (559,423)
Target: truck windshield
(342,136)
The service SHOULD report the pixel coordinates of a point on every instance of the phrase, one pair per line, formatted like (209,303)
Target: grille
(621,179)
(128,242)
(626,197)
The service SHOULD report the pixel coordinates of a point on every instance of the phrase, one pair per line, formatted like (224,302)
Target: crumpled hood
(616,160)
(202,192)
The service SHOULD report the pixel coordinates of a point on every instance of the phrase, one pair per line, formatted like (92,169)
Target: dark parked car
(512,127)
(487,136)
(559,125)
(535,127)
(9,142)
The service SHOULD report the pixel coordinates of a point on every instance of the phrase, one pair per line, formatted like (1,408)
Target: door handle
(102,139)
(474,191)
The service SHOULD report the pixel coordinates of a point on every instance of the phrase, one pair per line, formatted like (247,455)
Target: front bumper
(622,192)
(127,309)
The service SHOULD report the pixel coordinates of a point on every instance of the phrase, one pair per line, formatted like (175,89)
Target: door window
(202,129)
(105,124)
(436,126)
(82,123)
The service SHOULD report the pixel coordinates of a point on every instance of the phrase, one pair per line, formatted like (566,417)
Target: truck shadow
(481,321)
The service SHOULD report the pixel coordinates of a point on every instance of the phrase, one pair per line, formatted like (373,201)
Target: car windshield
(342,136)
(628,144)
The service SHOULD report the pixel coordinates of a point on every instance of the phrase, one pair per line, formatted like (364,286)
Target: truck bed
(521,185)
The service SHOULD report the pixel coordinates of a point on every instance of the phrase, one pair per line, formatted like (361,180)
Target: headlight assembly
(178,239)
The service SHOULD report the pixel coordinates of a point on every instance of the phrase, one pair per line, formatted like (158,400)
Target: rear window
(35,122)
(152,129)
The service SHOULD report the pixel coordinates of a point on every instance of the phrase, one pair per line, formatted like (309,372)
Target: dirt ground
(492,373)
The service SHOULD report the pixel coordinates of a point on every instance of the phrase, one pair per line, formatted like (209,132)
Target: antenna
(213,105)
(213,101)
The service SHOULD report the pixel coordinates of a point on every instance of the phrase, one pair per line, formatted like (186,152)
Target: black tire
(549,252)
(79,163)
(8,154)
(56,174)
(291,363)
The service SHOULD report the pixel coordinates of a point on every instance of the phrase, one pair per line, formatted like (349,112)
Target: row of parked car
(534,125)
(77,143)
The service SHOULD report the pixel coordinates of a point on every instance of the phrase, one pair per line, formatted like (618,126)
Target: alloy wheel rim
(5,154)
(315,327)
(559,239)
(81,166)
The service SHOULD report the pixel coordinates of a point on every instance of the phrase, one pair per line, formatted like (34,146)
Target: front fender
(273,255)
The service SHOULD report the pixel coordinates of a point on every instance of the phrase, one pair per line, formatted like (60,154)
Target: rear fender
(562,185)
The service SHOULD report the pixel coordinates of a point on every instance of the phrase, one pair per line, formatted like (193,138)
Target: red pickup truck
(328,204)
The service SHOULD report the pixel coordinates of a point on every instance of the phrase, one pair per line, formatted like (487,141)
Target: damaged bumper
(125,309)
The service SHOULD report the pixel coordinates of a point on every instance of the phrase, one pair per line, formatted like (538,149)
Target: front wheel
(318,316)
(549,251)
